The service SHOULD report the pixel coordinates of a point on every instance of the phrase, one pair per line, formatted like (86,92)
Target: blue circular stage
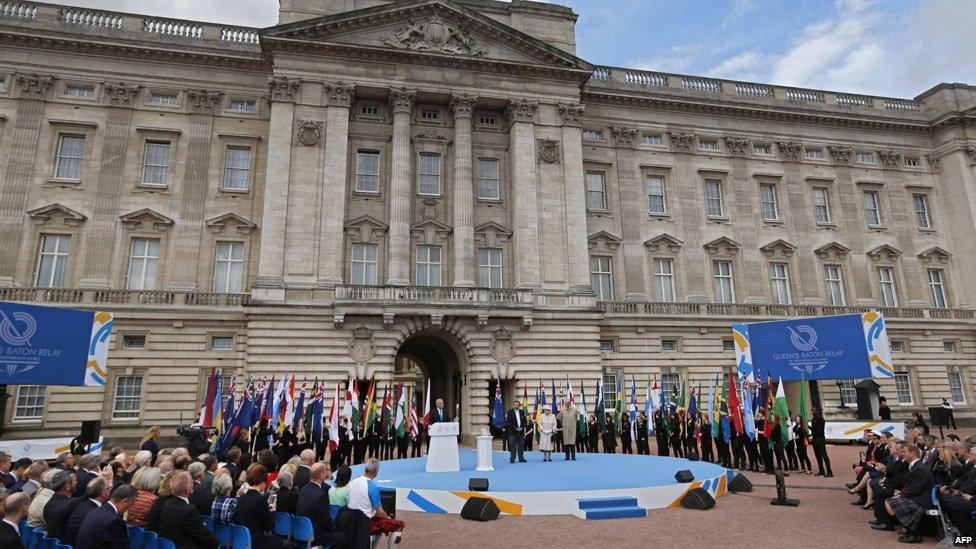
(593,481)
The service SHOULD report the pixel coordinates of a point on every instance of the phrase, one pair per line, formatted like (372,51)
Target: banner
(831,347)
(53,346)
(42,448)
(854,430)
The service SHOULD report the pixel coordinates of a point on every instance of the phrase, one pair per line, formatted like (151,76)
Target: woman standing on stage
(592,433)
(625,438)
(609,436)
(547,427)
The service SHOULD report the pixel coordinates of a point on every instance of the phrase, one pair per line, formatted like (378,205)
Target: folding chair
(137,537)
(166,544)
(282,525)
(241,537)
(334,511)
(208,522)
(223,533)
(150,540)
(302,533)
(948,530)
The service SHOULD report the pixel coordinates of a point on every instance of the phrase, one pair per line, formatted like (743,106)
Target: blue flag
(748,418)
(498,410)
(633,407)
(299,410)
(318,408)
(555,404)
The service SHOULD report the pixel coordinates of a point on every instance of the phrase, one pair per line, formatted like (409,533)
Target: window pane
(835,285)
(489,268)
(937,287)
(142,264)
(429,174)
(428,265)
(52,260)
(30,402)
(821,207)
(128,395)
(955,388)
(601,277)
(713,198)
(229,267)
(768,199)
(368,171)
(847,392)
(655,195)
(779,280)
(664,279)
(237,168)
(71,152)
(886,283)
(156,165)
(872,208)
(595,191)
(722,276)
(904,388)
(921,211)
(488,182)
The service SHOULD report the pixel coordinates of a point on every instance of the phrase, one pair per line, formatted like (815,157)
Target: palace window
(948,346)
(30,402)
(650,139)
(664,279)
(708,145)
(134,341)
(813,154)
(779,279)
(872,208)
(365,259)
(886,283)
(911,162)
(80,91)
(722,278)
(128,395)
(609,391)
(52,261)
(155,167)
(228,267)
(821,204)
(864,158)
(368,171)
(728,345)
(848,394)
(71,153)
(489,268)
(592,135)
(922,219)
(489,187)
(761,150)
(369,110)
(243,105)
(163,99)
(657,204)
(222,343)
(714,205)
(937,287)
(143,260)
(835,284)
(237,168)
(428,265)
(669,344)
(767,197)
(596,191)
(429,115)
(429,174)
(601,277)
(606,345)
(487,120)
(955,388)
(903,387)
(671,383)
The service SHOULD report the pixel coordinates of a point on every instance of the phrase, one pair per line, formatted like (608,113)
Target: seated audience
(96,494)
(287,495)
(253,511)
(35,512)
(61,504)
(104,528)
(14,511)
(179,521)
(224,504)
(364,496)
(313,502)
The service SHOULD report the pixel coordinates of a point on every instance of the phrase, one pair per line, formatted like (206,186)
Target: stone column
(193,196)
(269,284)
(858,274)
(911,293)
(694,278)
(339,96)
(100,231)
(31,91)
(956,181)
(752,274)
(578,260)
(401,184)
(521,114)
(632,204)
(463,105)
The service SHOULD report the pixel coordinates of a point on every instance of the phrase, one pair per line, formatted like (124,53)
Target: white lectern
(442,457)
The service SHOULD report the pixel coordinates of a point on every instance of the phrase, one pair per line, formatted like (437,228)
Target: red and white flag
(414,429)
(427,404)
(334,422)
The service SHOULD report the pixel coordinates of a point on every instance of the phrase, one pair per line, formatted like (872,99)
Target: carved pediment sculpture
(434,35)
(832,250)
(779,248)
(722,245)
(935,254)
(45,214)
(220,223)
(664,243)
(604,241)
(146,217)
(884,252)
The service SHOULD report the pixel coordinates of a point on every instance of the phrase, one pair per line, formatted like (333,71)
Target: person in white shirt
(364,496)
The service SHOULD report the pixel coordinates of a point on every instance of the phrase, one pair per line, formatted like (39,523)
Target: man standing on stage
(438,415)
(515,425)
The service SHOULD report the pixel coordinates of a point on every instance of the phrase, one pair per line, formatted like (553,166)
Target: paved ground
(824,519)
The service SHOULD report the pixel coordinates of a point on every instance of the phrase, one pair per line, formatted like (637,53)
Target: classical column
(100,230)
(32,91)
(339,96)
(463,105)
(193,195)
(693,280)
(270,280)
(751,278)
(858,274)
(398,253)
(632,214)
(521,114)
(578,260)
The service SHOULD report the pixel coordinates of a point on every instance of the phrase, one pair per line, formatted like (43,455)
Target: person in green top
(339,493)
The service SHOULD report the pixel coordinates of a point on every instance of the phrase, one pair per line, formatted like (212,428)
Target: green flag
(307,422)
(802,410)
(782,409)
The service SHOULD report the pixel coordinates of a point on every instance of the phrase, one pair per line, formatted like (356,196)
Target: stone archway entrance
(438,356)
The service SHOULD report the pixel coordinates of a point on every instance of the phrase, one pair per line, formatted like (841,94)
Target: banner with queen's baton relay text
(52,345)
(851,346)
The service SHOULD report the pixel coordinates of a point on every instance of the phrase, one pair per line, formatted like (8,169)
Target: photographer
(197,441)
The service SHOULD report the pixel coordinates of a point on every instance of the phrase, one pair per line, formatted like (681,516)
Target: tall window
(71,153)
(489,268)
(609,392)
(429,174)
(872,208)
(664,279)
(655,195)
(364,263)
(128,395)
(848,394)
(155,168)
(601,277)
(143,260)
(488,181)
(922,219)
(428,265)
(779,278)
(886,283)
(368,171)
(30,402)
(903,386)
(955,388)
(835,284)
(670,383)
(821,205)
(596,191)
(237,168)
(228,267)
(767,197)
(722,277)
(713,198)
(52,261)
(937,286)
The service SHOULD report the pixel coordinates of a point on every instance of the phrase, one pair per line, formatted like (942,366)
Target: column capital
(572,113)
(790,149)
(33,86)
(283,88)
(624,137)
(120,94)
(521,110)
(402,99)
(203,101)
(339,94)
(841,154)
(680,141)
(736,146)
(462,105)
(892,159)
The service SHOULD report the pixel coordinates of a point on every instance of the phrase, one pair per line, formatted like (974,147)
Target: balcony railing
(433,295)
(762,310)
(123,297)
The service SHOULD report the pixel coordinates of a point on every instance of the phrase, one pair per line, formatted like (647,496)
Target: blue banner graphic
(53,346)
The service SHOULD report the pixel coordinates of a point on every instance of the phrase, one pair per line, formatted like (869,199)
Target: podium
(442,456)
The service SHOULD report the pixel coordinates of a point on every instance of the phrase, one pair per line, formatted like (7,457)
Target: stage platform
(551,488)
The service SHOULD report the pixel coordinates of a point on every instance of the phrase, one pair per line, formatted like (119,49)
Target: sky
(895,48)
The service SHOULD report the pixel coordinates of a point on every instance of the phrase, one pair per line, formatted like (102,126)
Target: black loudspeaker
(480,509)
(684,475)
(478,484)
(740,483)
(90,431)
(692,455)
(388,501)
(698,499)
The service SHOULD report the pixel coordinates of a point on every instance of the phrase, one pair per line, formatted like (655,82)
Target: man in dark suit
(910,503)
(179,521)
(15,510)
(20,474)
(313,502)
(819,443)
(87,470)
(59,507)
(6,479)
(104,528)
(96,494)
(202,496)
(438,414)
(303,473)
(958,500)
(515,426)
(895,475)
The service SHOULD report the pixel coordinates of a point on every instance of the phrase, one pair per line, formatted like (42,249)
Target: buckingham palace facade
(443,190)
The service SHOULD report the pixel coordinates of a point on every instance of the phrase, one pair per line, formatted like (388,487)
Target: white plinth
(484,453)
(442,457)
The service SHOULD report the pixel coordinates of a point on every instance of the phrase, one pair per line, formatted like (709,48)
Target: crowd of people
(88,500)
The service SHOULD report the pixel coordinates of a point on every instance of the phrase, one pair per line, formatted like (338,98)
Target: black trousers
(820,453)
(791,455)
(415,447)
(752,450)
(959,512)
(516,445)
(625,447)
(780,457)
(676,446)
(662,445)
(706,449)
(643,448)
(569,450)
(804,459)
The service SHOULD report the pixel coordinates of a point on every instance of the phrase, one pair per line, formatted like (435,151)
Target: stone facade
(372,187)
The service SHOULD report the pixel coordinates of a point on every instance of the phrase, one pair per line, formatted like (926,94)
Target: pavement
(824,519)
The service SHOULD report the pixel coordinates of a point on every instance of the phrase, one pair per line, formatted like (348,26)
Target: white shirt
(518,419)
(359,496)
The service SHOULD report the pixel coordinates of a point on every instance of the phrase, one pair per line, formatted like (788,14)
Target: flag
(401,413)
(570,397)
(352,402)
(278,402)
(386,413)
(317,409)
(540,403)
(649,407)
(206,409)
(618,406)
(711,408)
(525,399)
(734,409)
(427,404)
(308,413)
(268,408)
(299,413)
(768,408)
(369,414)
(692,403)
(633,408)
(256,411)
(802,408)
(498,409)
(217,412)
(724,422)
(781,408)
(581,425)
(664,413)
(599,407)
(748,416)
(229,413)
(334,421)
(414,423)
(555,406)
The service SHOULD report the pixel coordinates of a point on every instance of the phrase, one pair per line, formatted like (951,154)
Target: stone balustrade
(433,295)
(768,310)
(109,297)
